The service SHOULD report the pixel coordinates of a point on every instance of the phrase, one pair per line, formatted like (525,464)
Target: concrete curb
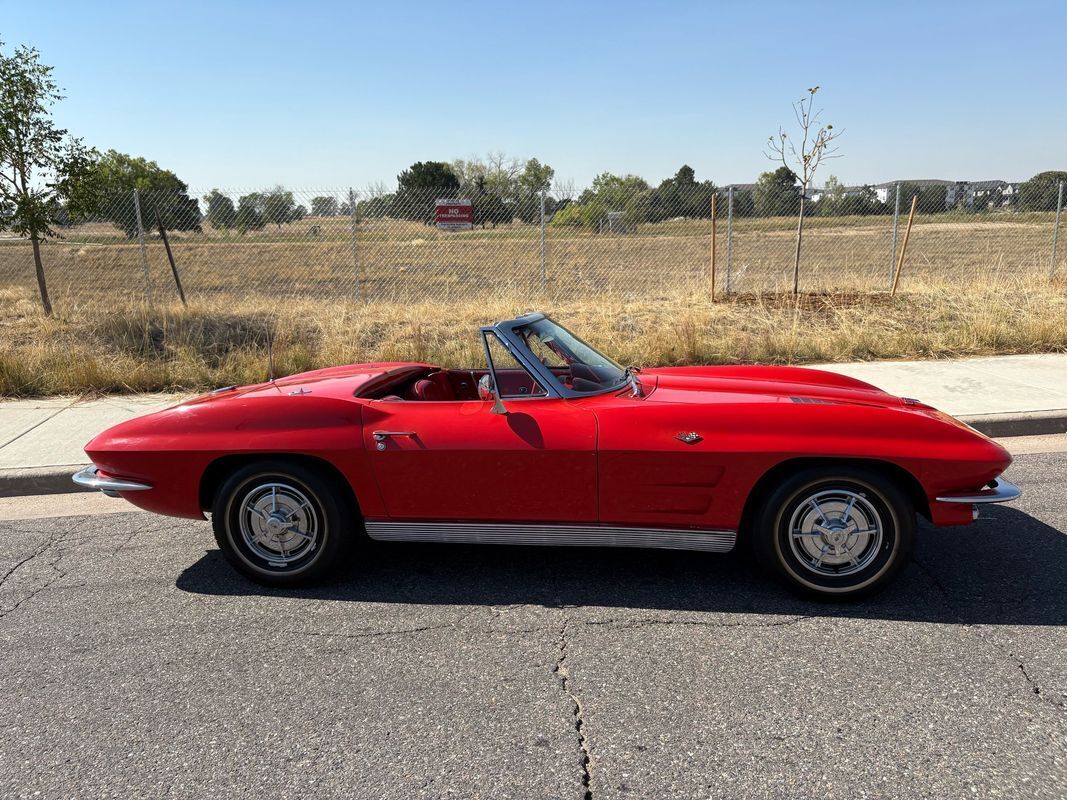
(1029,423)
(57,479)
(40,480)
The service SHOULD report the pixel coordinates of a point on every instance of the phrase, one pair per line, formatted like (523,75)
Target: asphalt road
(136,664)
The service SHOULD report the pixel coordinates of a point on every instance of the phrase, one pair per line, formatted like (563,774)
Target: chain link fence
(377,246)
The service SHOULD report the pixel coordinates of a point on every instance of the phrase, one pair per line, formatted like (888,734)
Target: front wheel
(281,523)
(835,532)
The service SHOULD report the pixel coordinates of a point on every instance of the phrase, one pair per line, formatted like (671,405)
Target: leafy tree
(40,165)
(108,188)
(776,193)
(373,207)
(419,186)
(932,199)
(833,198)
(680,196)
(608,193)
(488,207)
(1040,193)
(535,179)
(220,211)
(278,206)
(837,201)
(579,215)
(864,203)
(250,212)
(617,192)
(324,206)
(744,202)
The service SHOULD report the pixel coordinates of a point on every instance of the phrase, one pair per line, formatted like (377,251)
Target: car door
(458,460)
(662,465)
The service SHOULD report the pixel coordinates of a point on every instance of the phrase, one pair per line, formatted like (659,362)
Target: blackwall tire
(835,532)
(282,523)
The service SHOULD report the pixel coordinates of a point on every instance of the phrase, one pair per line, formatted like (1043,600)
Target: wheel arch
(780,471)
(217,471)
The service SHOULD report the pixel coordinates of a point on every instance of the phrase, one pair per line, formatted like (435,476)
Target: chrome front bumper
(996,491)
(89,478)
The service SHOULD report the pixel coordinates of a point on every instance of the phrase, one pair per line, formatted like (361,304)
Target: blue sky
(319,94)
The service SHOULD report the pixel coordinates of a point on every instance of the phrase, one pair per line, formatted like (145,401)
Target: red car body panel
(612,459)
(536,463)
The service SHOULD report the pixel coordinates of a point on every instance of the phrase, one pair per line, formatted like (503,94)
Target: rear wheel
(281,523)
(835,532)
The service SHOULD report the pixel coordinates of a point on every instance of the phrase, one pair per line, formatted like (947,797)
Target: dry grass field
(972,285)
(397,260)
(215,342)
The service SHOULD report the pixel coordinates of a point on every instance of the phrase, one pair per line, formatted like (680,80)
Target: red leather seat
(433,387)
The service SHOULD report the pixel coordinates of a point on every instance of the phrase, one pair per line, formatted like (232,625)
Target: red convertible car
(553,443)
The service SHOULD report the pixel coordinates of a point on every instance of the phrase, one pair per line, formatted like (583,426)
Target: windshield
(577,365)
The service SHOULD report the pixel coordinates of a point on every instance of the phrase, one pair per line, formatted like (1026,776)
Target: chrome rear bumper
(89,478)
(996,491)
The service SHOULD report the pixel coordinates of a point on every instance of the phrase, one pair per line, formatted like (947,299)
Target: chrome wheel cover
(278,523)
(835,532)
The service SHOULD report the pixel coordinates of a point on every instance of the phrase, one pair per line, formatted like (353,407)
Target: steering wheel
(485,388)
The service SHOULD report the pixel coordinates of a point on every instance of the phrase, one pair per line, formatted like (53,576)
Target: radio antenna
(270,352)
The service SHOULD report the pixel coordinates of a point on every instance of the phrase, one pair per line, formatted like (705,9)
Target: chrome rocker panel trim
(552,535)
(996,491)
(110,486)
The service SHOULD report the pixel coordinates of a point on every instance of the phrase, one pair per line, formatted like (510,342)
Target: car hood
(762,384)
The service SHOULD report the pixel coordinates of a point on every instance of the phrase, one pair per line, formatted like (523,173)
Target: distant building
(957,193)
(815,195)
(988,194)
(887,192)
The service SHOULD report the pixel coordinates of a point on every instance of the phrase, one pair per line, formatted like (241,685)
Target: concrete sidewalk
(41,440)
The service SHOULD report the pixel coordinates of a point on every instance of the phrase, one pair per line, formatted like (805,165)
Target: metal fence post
(544,266)
(144,252)
(355,252)
(896,226)
(729,236)
(1056,232)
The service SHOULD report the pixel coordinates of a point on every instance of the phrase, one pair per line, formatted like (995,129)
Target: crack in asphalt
(51,542)
(1033,685)
(59,545)
(563,675)
(370,633)
(650,622)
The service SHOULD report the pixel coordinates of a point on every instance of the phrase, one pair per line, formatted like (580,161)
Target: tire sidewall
(897,517)
(319,493)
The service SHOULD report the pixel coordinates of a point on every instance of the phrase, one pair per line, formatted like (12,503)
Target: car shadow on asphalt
(1007,568)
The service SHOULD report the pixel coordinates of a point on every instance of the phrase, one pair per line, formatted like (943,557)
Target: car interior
(434,384)
(578,367)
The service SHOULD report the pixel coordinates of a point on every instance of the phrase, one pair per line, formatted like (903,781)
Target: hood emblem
(301,391)
(689,437)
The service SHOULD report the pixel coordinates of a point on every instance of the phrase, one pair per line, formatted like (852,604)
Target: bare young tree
(816,145)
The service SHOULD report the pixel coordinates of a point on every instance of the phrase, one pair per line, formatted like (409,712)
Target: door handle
(381,436)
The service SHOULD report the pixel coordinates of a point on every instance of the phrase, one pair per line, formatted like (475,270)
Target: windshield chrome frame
(505,331)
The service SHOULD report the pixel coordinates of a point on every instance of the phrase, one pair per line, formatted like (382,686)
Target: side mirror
(487,391)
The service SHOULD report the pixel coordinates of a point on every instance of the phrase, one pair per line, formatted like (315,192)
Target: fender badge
(301,391)
(689,437)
